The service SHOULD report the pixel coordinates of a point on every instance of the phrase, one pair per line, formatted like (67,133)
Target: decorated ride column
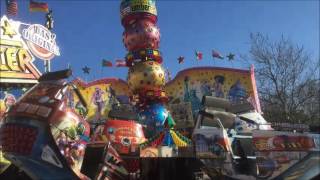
(146,77)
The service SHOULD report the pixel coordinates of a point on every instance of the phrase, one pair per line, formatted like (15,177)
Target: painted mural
(101,96)
(9,96)
(191,85)
(185,90)
(182,114)
(276,151)
(71,135)
(17,71)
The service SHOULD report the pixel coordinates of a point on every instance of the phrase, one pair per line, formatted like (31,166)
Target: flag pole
(94,76)
(46,66)
(213,64)
(49,66)
(101,71)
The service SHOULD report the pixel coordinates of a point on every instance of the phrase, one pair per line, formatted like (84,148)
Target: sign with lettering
(133,6)
(41,41)
(15,58)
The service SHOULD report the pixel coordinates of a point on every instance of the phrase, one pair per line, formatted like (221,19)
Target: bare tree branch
(287,79)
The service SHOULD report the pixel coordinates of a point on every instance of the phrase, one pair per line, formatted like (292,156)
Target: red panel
(18,139)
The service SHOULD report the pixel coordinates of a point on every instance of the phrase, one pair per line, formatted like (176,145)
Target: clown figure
(97,99)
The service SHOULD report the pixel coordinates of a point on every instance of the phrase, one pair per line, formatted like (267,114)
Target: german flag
(106,63)
(38,7)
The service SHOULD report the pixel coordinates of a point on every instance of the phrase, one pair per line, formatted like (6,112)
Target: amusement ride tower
(146,77)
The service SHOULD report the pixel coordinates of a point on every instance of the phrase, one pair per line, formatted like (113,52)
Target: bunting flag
(185,139)
(12,7)
(121,63)
(216,54)
(198,55)
(177,140)
(106,63)
(230,56)
(86,70)
(170,121)
(166,137)
(150,141)
(180,59)
(38,6)
(157,142)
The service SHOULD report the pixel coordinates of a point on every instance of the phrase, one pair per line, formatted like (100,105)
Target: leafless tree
(288,80)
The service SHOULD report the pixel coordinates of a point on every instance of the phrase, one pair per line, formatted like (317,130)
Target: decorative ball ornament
(146,75)
(154,117)
(141,35)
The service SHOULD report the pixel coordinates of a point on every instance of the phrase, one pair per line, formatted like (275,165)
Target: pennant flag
(38,6)
(216,54)
(177,140)
(86,70)
(230,56)
(106,63)
(12,7)
(198,55)
(180,59)
(121,63)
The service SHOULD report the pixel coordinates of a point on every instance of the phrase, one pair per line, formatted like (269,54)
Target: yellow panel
(99,98)
(207,81)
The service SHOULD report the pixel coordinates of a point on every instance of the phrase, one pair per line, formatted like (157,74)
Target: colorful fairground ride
(206,123)
(18,72)
(47,134)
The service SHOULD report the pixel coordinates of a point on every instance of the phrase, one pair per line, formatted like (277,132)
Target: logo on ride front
(16,60)
(41,41)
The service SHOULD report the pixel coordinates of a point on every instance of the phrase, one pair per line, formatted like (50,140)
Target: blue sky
(90,30)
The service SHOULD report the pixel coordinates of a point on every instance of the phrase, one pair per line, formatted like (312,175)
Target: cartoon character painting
(237,92)
(6,102)
(191,96)
(186,89)
(218,86)
(70,99)
(97,99)
(112,97)
(205,89)
(71,142)
(81,109)
(9,100)
(195,102)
